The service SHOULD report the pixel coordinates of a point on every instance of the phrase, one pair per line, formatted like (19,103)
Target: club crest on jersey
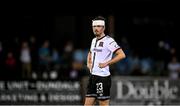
(101,44)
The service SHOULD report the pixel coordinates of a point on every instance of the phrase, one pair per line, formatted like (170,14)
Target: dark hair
(99,18)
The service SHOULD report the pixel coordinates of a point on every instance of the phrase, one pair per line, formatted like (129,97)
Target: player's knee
(104,102)
(89,101)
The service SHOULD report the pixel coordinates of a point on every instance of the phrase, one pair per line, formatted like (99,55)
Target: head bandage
(98,22)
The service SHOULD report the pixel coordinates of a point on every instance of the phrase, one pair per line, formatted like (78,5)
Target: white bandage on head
(98,22)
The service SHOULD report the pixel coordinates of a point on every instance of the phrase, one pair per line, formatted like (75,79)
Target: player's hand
(102,65)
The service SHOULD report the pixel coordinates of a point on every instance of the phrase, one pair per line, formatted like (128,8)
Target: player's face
(98,30)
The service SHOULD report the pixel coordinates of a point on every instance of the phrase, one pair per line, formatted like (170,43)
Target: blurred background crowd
(56,47)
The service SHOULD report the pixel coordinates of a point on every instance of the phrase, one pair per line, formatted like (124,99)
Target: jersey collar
(101,37)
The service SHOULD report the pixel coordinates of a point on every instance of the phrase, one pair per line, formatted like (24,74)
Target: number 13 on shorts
(99,87)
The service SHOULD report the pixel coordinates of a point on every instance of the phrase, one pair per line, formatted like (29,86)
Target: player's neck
(99,37)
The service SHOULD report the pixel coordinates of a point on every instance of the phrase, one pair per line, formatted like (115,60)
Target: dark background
(143,23)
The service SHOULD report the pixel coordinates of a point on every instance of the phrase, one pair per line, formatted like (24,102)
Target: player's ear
(104,27)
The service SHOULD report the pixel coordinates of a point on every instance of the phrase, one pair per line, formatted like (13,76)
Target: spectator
(34,52)
(44,59)
(174,68)
(10,66)
(25,59)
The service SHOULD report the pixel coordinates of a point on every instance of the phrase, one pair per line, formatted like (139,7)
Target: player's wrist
(108,63)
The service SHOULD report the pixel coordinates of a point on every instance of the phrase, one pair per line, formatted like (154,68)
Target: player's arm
(89,61)
(119,55)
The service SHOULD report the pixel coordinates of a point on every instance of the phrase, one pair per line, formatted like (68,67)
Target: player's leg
(91,91)
(104,102)
(89,101)
(103,89)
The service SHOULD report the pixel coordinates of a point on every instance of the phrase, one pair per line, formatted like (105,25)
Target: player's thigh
(89,101)
(104,102)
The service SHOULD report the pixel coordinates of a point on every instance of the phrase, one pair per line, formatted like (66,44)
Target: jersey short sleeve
(112,45)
